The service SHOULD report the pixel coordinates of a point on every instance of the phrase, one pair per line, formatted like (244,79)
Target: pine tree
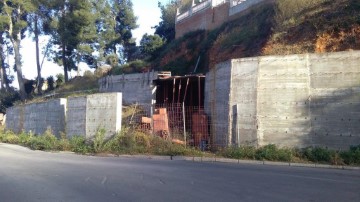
(13,22)
(72,29)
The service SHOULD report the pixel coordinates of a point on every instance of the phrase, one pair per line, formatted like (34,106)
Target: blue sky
(148,15)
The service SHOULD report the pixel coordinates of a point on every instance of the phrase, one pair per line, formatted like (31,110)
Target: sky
(148,15)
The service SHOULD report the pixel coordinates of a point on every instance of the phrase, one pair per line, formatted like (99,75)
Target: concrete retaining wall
(75,116)
(136,88)
(38,117)
(86,115)
(294,101)
(217,90)
(15,118)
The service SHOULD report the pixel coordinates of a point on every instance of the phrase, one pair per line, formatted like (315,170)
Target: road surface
(27,175)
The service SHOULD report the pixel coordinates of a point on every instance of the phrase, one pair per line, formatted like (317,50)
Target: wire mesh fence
(187,125)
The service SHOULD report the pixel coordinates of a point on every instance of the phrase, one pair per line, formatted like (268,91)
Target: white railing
(182,16)
(201,6)
(215,3)
(236,6)
(241,5)
(236,2)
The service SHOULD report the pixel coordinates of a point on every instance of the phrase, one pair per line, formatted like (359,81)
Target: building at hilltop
(210,14)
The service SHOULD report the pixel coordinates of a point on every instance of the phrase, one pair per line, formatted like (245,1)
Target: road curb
(255,162)
(239,161)
(210,159)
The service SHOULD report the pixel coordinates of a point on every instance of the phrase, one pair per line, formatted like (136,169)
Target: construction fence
(187,125)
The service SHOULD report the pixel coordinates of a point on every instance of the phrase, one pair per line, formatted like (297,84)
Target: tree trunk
(3,75)
(38,80)
(64,63)
(2,79)
(16,45)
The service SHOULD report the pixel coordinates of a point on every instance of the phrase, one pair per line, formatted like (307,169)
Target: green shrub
(24,138)
(11,138)
(64,143)
(288,11)
(318,154)
(242,152)
(136,66)
(37,143)
(159,145)
(351,157)
(272,153)
(267,152)
(78,145)
(142,139)
(99,141)
(7,99)
(284,154)
(46,141)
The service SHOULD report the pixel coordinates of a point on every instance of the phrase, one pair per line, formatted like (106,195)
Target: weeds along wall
(137,87)
(294,101)
(73,116)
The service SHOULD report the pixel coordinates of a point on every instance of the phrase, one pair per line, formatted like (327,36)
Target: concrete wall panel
(217,92)
(76,116)
(243,96)
(136,88)
(103,111)
(15,118)
(38,117)
(299,100)
(87,114)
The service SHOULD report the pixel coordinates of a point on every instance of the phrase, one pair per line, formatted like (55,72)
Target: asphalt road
(27,175)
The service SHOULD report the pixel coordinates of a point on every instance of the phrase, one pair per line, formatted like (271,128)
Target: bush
(7,99)
(129,141)
(47,141)
(60,80)
(288,10)
(318,154)
(351,157)
(64,143)
(99,141)
(11,138)
(272,153)
(24,138)
(243,152)
(78,145)
(136,66)
(51,83)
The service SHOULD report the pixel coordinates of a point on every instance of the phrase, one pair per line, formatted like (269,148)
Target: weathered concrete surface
(38,117)
(217,91)
(243,98)
(87,114)
(283,100)
(74,116)
(136,88)
(295,101)
(15,118)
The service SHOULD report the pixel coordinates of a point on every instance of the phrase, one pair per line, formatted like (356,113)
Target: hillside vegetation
(276,28)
